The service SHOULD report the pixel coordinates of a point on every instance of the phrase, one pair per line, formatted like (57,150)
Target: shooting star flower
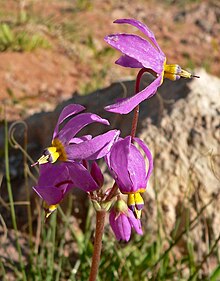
(128,167)
(122,220)
(141,53)
(67,147)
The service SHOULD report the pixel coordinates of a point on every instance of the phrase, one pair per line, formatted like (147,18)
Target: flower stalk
(100,223)
(136,110)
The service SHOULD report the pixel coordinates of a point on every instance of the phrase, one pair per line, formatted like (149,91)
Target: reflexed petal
(51,174)
(78,123)
(127,105)
(68,111)
(118,163)
(96,173)
(148,154)
(51,194)
(81,177)
(80,139)
(135,223)
(138,48)
(128,166)
(127,61)
(113,224)
(124,227)
(120,226)
(92,149)
(143,28)
(137,169)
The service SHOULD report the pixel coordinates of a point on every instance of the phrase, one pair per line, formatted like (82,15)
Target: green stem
(10,195)
(27,189)
(100,223)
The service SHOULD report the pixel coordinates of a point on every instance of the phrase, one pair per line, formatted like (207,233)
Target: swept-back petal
(127,105)
(137,169)
(96,173)
(68,111)
(92,149)
(51,174)
(148,154)
(120,226)
(81,177)
(143,28)
(78,123)
(51,194)
(139,49)
(124,227)
(118,163)
(135,223)
(127,61)
(80,139)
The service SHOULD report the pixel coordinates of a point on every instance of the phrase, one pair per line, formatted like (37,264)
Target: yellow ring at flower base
(60,149)
(53,153)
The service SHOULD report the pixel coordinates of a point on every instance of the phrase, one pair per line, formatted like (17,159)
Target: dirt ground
(78,59)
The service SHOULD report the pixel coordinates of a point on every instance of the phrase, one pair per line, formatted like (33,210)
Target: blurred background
(53,53)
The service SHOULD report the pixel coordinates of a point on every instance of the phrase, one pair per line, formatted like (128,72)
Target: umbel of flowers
(70,161)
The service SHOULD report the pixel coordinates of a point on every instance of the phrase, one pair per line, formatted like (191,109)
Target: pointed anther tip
(34,164)
(195,76)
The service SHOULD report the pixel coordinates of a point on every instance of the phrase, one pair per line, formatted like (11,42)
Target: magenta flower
(141,53)
(128,166)
(56,180)
(67,147)
(122,220)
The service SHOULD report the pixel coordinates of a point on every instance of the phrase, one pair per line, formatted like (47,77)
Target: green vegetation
(16,40)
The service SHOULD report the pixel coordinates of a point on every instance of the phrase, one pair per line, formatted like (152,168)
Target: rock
(185,144)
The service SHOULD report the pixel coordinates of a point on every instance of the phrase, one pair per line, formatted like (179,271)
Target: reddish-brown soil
(38,80)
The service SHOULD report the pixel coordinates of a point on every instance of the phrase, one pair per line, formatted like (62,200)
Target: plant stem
(137,89)
(11,200)
(100,222)
(112,192)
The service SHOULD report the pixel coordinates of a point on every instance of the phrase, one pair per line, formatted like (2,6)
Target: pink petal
(96,173)
(120,226)
(127,105)
(139,49)
(68,111)
(51,174)
(80,139)
(118,163)
(137,169)
(143,28)
(135,223)
(127,61)
(148,154)
(81,177)
(51,194)
(92,149)
(78,123)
